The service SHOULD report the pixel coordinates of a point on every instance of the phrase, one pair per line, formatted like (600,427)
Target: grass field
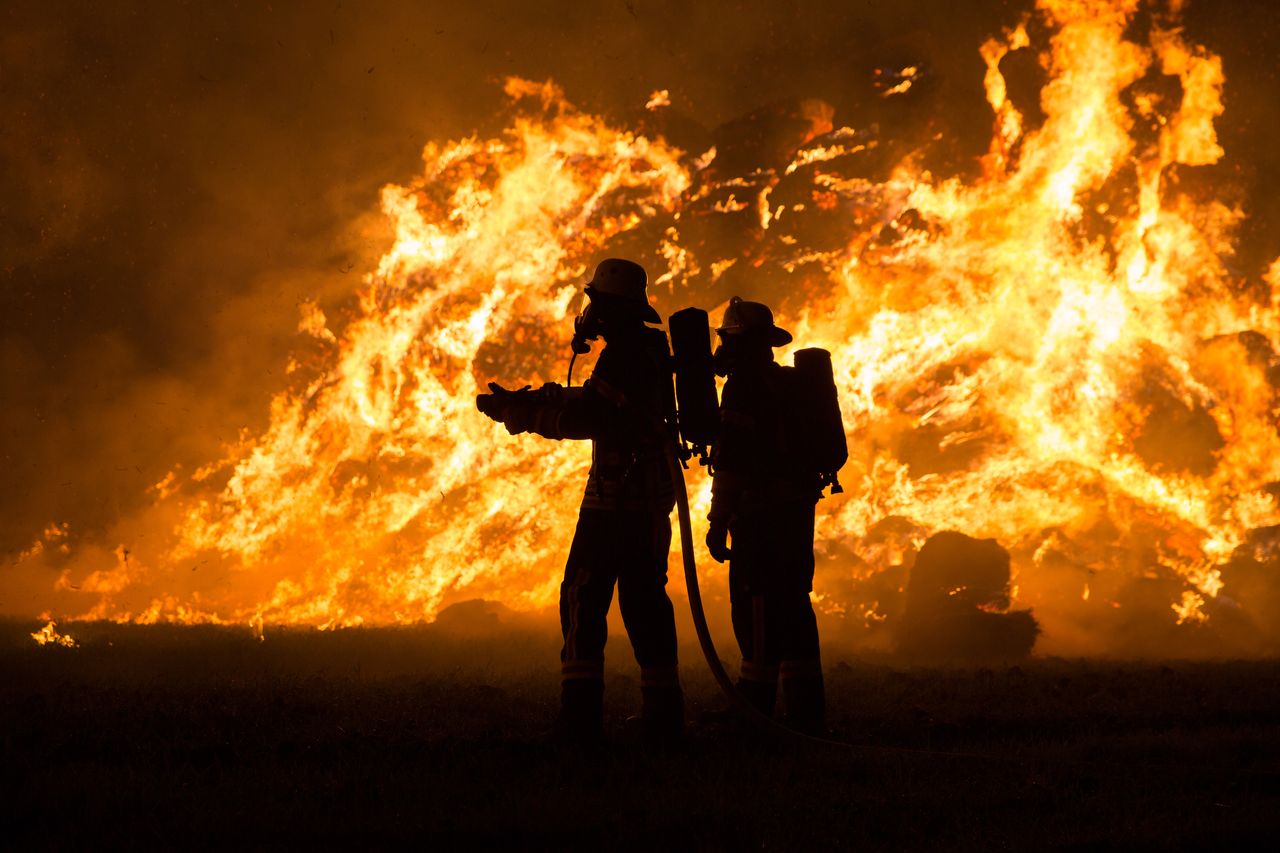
(177,737)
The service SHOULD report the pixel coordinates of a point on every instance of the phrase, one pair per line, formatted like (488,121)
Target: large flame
(1052,354)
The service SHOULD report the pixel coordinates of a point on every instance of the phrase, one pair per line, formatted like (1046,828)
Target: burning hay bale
(479,617)
(958,603)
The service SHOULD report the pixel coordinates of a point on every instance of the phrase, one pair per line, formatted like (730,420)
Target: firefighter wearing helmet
(627,410)
(764,503)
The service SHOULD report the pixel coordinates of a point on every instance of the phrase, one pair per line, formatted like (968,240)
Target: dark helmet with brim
(625,284)
(746,318)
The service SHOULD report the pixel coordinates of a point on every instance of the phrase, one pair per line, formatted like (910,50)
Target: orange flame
(1006,350)
(49,636)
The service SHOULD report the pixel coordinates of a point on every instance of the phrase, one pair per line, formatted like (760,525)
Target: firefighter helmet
(742,318)
(623,282)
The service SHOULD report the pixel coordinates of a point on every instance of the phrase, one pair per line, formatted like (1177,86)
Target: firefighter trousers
(629,548)
(770,576)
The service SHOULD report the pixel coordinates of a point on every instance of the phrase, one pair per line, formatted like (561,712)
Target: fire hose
(750,712)
(768,724)
(695,595)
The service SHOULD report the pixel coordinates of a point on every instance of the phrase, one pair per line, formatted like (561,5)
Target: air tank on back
(698,408)
(822,444)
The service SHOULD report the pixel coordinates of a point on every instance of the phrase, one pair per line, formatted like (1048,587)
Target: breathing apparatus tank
(819,440)
(699,411)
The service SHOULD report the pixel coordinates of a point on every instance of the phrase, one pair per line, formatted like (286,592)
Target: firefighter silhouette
(627,409)
(764,491)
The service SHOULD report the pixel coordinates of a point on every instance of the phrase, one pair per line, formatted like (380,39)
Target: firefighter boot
(761,695)
(805,700)
(662,714)
(581,720)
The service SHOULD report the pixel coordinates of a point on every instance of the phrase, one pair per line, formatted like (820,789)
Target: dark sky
(176,177)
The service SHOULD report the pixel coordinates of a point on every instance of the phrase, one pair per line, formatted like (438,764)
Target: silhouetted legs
(630,549)
(770,576)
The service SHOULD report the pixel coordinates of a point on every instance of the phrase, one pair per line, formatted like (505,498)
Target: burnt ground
(168,737)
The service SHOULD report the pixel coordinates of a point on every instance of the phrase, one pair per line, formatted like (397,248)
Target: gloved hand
(506,406)
(718,540)
(490,406)
(517,418)
(494,405)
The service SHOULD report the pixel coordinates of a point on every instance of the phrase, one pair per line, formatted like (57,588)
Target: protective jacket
(766,501)
(753,461)
(627,409)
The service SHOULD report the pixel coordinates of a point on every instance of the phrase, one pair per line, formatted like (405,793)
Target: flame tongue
(50,636)
(379,484)
(1052,354)
(1045,320)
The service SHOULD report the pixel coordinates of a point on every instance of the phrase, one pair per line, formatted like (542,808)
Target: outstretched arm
(555,412)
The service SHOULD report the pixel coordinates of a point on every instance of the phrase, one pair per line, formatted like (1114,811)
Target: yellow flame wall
(992,357)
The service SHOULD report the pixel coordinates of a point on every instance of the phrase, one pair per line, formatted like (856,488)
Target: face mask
(587,326)
(722,360)
(738,351)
